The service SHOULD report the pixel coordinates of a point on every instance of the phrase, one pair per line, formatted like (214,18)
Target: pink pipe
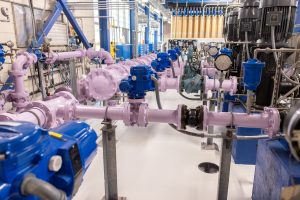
(85,112)
(19,97)
(166,83)
(268,120)
(210,72)
(104,55)
(52,57)
(229,85)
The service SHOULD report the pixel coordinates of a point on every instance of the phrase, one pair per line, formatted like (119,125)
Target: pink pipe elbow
(52,57)
(104,55)
(19,97)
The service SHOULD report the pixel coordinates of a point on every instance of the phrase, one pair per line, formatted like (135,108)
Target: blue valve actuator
(161,62)
(173,54)
(252,73)
(139,82)
(226,51)
(2,55)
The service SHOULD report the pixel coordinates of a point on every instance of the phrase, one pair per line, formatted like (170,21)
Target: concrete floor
(158,163)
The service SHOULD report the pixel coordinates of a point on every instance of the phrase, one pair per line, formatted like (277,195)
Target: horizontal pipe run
(269,50)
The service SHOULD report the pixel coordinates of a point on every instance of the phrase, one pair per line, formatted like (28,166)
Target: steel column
(161,29)
(73,76)
(104,28)
(110,160)
(133,31)
(155,33)
(225,164)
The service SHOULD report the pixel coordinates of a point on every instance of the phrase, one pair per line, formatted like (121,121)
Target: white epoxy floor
(158,163)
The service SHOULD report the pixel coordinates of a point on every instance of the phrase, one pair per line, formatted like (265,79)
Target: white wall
(8,29)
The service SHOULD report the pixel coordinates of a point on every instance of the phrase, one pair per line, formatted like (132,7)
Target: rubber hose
(41,189)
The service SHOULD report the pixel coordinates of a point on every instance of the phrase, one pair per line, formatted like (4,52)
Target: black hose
(41,189)
(188,98)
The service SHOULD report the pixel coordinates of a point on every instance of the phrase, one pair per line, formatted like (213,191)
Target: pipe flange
(273,116)
(127,114)
(65,94)
(179,117)
(49,115)
(143,115)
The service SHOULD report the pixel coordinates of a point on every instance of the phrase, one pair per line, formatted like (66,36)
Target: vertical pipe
(41,76)
(104,28)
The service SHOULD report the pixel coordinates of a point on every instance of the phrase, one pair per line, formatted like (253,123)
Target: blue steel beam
(49,24)
(104,28)
(147,29)
(73,22)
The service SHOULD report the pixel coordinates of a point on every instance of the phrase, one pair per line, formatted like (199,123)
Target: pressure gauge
(213,51)
(223,62)
(206,47)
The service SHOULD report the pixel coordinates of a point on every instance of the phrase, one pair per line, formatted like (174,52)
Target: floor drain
(209,168)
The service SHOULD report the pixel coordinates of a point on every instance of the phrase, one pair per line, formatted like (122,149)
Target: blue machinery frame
(61,6)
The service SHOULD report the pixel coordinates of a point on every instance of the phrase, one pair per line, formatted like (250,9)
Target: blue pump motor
(161,62)
(139,82)
(173,54)
(26,149)
(252,73)
(2,55)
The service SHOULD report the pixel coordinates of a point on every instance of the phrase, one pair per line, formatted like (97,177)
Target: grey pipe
(247,45)
(268,50)
(43,190)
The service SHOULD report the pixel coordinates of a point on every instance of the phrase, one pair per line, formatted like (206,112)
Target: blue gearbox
(139,82)
(161,62)
(59,156)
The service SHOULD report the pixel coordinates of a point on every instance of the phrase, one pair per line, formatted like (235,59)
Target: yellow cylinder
(196,25)
(208,26)
(214,26)
(202,26)
(220,26)
(173,25)
(190,29)
(184,26)
(179,25)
